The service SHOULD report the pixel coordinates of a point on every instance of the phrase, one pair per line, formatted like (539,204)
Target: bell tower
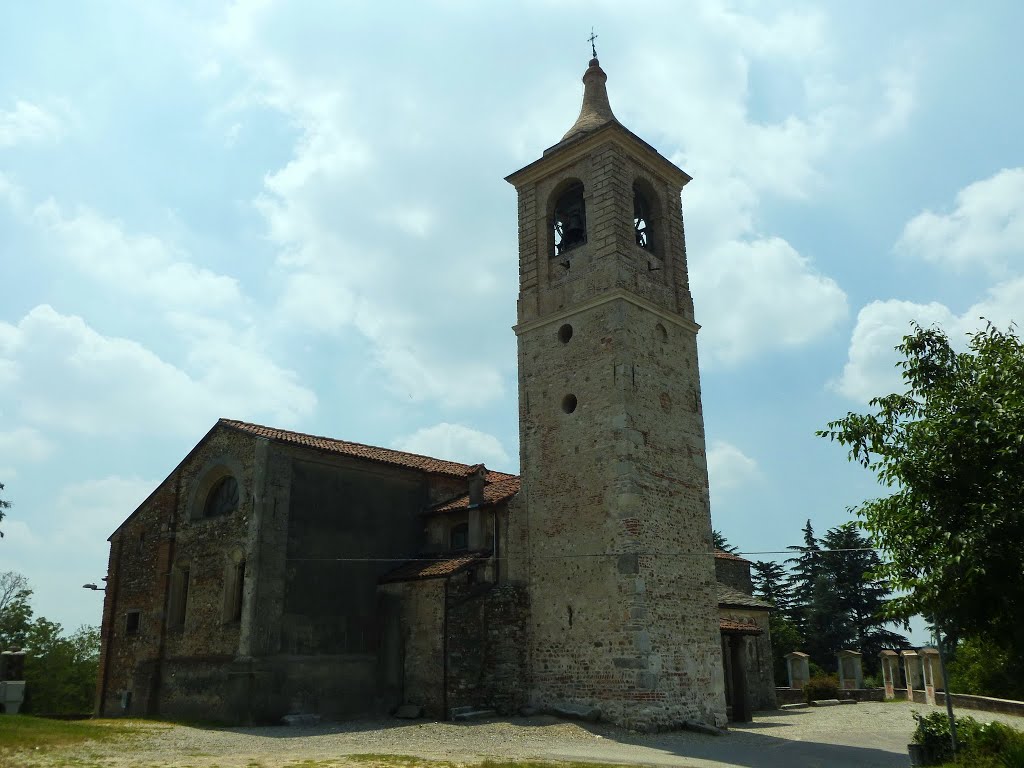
(613,541)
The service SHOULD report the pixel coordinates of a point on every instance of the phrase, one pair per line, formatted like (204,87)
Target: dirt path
(861,736)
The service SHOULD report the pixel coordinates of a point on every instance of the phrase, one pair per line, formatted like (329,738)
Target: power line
(565,556)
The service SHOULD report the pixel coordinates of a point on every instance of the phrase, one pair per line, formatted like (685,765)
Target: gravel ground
(862,735)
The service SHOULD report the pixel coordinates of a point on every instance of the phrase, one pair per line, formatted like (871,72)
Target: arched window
(223,498)
(642,213)
(458,539)
(569,219)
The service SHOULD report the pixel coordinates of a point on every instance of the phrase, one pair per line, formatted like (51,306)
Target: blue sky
(295,214)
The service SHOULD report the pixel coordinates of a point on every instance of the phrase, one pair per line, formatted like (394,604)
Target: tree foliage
(4,504)
(718,541)
(951,448)
(60,670)
(15,611)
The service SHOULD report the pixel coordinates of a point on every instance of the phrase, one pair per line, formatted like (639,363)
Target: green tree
(805,568)
(952,449)
(15,611)
(4,504)
(771,582)
(850,564)
(718,541)
(60,671)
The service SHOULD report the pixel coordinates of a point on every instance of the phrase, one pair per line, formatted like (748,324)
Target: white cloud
(28,123)
(24,444)
(140,265)
(899,91)
(761,294)
(985,229)
(455,442)
(871,371)
(91,510)
(357,250)
(67,376)
(729,468)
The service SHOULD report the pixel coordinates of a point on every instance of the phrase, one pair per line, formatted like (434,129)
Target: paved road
(861,735)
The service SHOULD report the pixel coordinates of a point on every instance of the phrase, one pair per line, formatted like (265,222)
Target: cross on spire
(591,39)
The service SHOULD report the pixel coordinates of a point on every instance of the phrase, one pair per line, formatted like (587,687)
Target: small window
(132,620)
(234,583)
(459,537)
(569,219)
(179,597)
(223,498)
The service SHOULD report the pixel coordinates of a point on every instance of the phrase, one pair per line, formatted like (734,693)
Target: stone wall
(624,611)
(487,644)
(734,572)
(169,533)
(315,532)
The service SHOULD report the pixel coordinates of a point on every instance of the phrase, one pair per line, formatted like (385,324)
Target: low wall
(789,695)
(983,703)
(796,695)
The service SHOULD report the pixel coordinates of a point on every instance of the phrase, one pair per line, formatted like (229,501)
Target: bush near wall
(822,687)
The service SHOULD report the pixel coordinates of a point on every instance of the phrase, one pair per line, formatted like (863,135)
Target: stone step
(472,713)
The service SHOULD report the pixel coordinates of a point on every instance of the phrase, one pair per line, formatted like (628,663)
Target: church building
(274,572)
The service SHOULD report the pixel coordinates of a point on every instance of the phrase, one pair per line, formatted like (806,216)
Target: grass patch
(22,732)
(410,761)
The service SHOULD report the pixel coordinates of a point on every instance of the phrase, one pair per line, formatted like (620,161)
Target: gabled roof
(427,568)
(727,596)
(342,448)
(500,487)
(357,450)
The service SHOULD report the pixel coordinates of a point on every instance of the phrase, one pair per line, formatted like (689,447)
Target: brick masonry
(614,539)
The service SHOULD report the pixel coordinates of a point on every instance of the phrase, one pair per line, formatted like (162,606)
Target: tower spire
(596,111)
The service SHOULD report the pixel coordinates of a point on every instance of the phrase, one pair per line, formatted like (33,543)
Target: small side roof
(727,596)
(434,568)
(500,487)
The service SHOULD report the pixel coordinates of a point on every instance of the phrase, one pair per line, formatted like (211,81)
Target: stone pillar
(912,671)
(890,670)
(851,673)
(798,668)
(932,673)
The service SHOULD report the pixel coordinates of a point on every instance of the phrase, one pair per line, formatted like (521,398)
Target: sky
(295,214)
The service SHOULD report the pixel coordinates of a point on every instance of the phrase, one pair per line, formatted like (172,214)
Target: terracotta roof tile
(358,450)
(729,596)
(738,627)
(496,491)
(721,554)
(417,570)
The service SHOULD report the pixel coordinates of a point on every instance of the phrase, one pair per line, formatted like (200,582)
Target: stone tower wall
(616,529)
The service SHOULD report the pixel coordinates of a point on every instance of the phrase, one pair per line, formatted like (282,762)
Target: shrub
(822,687)
(980,744)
